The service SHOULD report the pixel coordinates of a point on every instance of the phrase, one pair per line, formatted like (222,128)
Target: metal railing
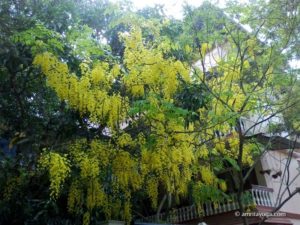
(258,196)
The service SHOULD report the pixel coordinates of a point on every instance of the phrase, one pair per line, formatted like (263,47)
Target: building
(272,188)
(275,175)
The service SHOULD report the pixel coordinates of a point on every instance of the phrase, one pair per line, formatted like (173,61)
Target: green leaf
(233,163)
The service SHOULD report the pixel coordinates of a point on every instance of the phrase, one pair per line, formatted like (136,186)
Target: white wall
(212,58)
(276,161)
(295,222)
(257,126)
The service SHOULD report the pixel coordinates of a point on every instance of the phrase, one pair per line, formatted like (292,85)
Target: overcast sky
(172,7)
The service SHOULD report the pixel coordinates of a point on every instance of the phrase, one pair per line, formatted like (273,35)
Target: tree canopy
(111,110)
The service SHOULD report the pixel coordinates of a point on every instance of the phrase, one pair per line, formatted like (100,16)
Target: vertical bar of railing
(270,195)
(184,213)
(194,212)
(266,198)
(180,215)
(207,209)
(261,193)
(211,211)
(172,216)
(233,202)
(187,213)
(253,197)
(160,217)
(190,212)
(187,217)
(258,197)
(235,206)
(215,207)
(229,202)
(176,215)
(225,205)
(262,197)
(219,209)
(197,211)
(221,205)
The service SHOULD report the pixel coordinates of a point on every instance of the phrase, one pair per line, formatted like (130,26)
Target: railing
(262,196)
(258,196)
(177,215)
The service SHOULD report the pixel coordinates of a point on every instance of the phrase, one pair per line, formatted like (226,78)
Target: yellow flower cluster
(152,190)
(148,68)
(125,140)
(125,169)
(170,161)
(94,160)
(229,146)
(223,185)
(89,93)
(11,187)
(87,189)
(75,197)
(207,175)
(59,169)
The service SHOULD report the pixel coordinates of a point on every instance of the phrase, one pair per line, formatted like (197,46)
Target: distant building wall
(295,221)
(276,162)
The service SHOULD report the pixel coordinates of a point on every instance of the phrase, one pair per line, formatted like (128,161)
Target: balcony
(257,196)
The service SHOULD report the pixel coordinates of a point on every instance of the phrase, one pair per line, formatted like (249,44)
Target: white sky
(172,7)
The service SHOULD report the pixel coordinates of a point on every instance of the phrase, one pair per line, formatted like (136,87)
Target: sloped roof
(276,142)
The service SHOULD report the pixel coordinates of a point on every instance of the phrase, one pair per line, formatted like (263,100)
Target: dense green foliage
(73,73)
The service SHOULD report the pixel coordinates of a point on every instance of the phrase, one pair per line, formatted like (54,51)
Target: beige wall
(260,178)
(212,57)
(276,161)
(295,222)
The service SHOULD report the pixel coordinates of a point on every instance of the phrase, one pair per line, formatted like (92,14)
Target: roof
(276,142)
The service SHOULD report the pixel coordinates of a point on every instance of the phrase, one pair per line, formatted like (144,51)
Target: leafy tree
(135,120)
